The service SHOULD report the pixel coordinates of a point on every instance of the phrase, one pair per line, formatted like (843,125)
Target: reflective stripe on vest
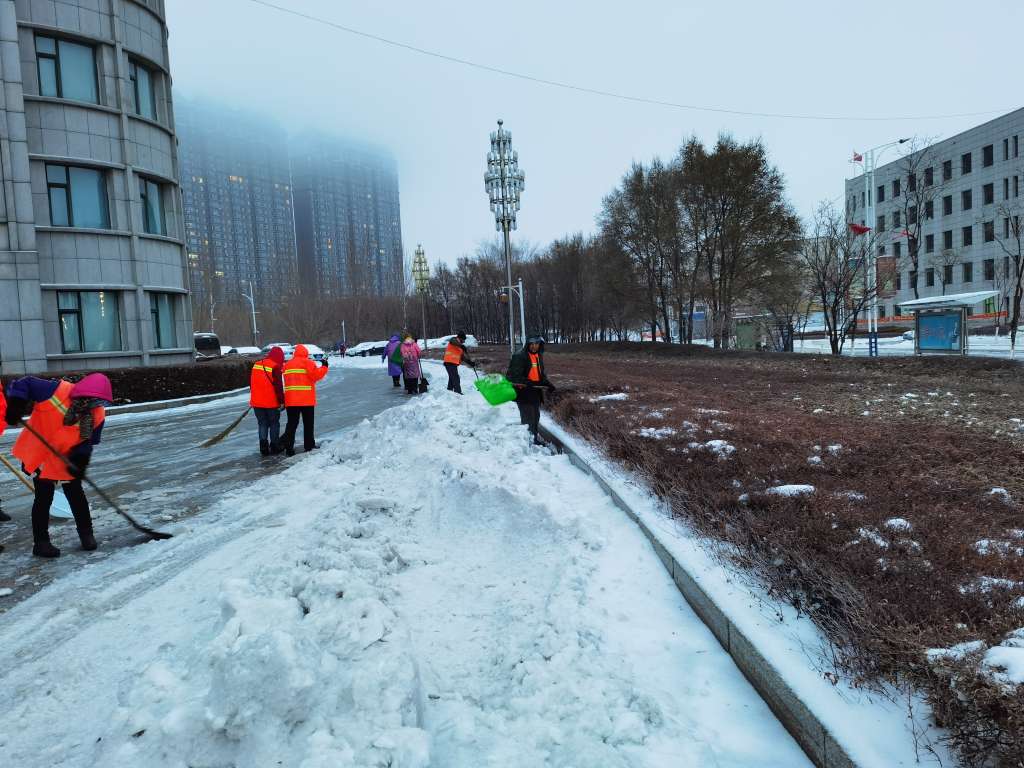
(259,367)
(534,374)
(57,403)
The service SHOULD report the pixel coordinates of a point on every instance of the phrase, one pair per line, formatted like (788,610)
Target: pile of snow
(1002,494)
(613,396)
(1005,662)
(898,524)
(870,534)
(720,448)
(656,433)
(790,490)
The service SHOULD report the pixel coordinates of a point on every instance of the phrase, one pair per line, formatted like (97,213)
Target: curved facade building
(92,260)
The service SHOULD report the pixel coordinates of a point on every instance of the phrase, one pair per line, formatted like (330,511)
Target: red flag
(900,234)
(859,229)
(858,158)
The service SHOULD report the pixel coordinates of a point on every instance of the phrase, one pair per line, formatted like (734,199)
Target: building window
(947,170)
(947,239)
(899,281)
(967,235)
(880,223)
(966,200)
(1006,227)
(161,308)
(929,209)
(897,249)
(66,70)
(987,156)
(880,194)
(912,215)
(929,243)
(1006,189)
(988,194)
(929,176)
(896,219)
(929,277)
(895,187)
(1016,186)
(988,229)
(913,278)
(78,197)
(965,163)
(947,274)
(153,221)
(912,182)
(142,77)
(1015,146)
(1006,149)
(947,205)
(968,272)
(89,321)
(988,267)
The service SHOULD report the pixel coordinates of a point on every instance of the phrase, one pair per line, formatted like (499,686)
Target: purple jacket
(393,370)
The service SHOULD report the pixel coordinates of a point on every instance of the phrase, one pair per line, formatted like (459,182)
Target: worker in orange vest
(266,396)
(300,377)
(455,355)
(69,417)
(526,373)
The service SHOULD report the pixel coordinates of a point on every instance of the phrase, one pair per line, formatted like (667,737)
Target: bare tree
(921,187)
(836,261)
(1011,241)
(785,296)
(946,261)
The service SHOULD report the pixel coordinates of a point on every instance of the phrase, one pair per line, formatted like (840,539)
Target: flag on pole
(859,229)
(857,157)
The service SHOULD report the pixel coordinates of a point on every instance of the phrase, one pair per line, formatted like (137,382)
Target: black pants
(412,386)
(396,380)
(454,382)
(528,401)
(41,508)
(294,412)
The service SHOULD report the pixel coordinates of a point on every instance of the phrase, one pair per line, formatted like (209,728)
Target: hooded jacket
(411,360)
(266,383)
(393,343)
(300,377)
(519,368)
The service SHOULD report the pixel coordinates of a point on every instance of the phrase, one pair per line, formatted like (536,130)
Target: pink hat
(94,385)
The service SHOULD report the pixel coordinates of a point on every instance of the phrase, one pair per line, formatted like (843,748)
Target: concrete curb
(163,405)
(802,723)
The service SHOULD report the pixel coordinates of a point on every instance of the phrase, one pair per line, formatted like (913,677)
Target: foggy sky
(872,58)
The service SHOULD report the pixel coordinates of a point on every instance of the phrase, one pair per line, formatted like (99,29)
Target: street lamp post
(421,276)
(252,305)
(504,183)
(870,158)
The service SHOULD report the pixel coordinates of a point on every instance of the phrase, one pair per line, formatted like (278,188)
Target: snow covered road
(428,590)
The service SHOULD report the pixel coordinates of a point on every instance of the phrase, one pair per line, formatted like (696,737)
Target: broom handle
(14,470)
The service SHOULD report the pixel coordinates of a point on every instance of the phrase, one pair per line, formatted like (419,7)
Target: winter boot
(276,448)
(45,549)
(88,542)
(264,447)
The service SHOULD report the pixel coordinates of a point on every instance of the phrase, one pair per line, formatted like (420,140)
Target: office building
(92,263)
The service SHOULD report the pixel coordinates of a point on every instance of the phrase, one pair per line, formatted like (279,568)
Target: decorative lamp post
(504,183)
(421,277)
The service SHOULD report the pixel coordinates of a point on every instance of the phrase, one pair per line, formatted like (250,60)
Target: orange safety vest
(261,385)
(3,411)
(453,354)
(534,374)
(48,420)
(300,377)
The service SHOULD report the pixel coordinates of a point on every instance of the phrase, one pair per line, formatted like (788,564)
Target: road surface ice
(428,589)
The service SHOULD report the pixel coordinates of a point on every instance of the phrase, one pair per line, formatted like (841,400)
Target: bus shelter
(940,322)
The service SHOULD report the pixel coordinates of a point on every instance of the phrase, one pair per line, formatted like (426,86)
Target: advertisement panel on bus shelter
(940,331)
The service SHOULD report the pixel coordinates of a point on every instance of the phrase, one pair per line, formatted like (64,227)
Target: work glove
(551,387)
(324,363)
(17,407)
(77,464)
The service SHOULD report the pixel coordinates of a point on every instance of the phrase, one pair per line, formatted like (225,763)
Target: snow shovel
(110,502)
(221,435)
(59,508)
(495,388)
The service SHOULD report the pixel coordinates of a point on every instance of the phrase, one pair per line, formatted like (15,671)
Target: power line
(604,93)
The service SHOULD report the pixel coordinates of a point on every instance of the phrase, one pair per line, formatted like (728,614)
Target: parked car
(908,335)
(288,349)
(226,351)
(367,349)
(315,352)
(207,346)
(248,351)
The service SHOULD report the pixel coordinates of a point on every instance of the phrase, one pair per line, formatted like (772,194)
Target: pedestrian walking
(266,396)
(4,517)
(527,375)
(454,355)
(300,377)
(394,369)
(412,371)
(69,418)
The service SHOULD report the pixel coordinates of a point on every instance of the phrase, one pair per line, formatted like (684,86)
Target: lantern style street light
(504,183)
(421,277)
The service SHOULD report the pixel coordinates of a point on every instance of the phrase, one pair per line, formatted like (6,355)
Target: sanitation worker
(4,517)
(300,377)
(455,355)
(526,374)
(266,396)
(69,418)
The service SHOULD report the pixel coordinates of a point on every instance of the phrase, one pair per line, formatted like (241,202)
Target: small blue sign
(939,331)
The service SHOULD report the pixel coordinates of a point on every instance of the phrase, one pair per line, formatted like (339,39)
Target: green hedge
(143,385)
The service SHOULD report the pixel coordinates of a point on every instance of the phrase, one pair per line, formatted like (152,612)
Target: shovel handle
(14,470)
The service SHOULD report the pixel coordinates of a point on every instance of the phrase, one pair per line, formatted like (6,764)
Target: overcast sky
(821,57)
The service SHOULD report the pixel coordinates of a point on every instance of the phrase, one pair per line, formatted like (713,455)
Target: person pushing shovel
(56,446)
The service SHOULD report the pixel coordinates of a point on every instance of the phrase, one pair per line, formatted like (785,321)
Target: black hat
(535,339)
(461,335)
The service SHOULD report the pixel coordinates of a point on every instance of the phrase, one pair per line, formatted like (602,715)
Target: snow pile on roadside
(612,397)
